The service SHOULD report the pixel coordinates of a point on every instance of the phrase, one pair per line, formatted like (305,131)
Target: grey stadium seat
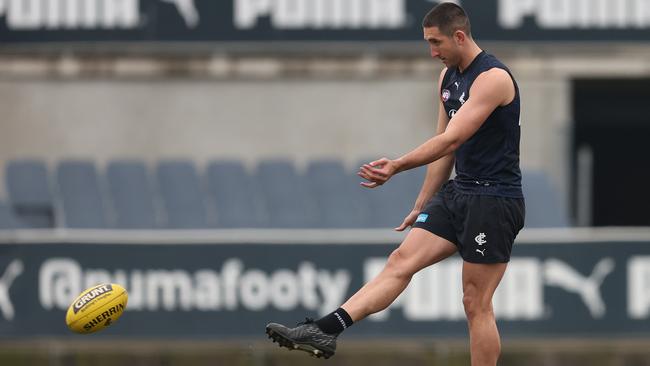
(338,195)
(7,218)
(29,193)
(286,196)
(543,205)
(237,197)
(182,194)
(82,198)
(131,194)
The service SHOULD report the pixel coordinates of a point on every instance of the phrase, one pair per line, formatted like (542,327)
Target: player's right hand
(409,220)
(377,172)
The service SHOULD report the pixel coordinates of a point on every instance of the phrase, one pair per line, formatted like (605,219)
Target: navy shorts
(483,227)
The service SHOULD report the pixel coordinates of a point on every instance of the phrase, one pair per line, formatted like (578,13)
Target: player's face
(442,46)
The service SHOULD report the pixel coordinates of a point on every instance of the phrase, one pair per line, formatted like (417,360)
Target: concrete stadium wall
(250,120)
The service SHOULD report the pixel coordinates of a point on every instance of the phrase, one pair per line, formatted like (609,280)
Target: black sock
(335,322)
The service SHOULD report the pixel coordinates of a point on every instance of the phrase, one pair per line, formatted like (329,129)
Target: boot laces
(307,321)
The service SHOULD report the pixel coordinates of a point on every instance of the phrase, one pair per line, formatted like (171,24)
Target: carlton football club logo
(445,95)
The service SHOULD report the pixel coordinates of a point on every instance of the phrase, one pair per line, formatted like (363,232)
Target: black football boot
(306,336)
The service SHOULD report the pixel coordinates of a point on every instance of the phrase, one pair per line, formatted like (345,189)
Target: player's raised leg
(479,283)
(419,250)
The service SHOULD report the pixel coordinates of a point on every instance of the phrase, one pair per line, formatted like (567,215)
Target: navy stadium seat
(338,195)
(29,193)
(131,195)
(286,196)
(390,203)
(182,194)
(237,196)
(81,195)
(7,217)
(543,205)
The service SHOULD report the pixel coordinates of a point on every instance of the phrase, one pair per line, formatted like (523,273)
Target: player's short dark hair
(448,17)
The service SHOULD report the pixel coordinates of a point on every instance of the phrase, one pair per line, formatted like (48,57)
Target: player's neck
(469,55)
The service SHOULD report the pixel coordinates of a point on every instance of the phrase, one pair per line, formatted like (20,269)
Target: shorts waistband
(483,187)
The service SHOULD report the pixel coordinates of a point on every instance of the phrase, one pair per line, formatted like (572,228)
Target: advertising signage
(232,290)
(42,21)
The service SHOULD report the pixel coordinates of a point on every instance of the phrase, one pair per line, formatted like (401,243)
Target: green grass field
(349,353)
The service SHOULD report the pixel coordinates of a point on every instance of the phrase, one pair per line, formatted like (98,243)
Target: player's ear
(459,37)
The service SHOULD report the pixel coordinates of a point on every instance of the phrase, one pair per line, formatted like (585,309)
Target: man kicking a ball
(478,213)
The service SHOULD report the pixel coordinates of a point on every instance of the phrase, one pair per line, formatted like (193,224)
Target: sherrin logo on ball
(96,308)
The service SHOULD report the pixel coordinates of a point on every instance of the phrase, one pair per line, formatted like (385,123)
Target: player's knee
(398,265)
(475,303)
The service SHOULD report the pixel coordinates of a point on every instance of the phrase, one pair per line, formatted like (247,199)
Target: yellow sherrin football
(96,308)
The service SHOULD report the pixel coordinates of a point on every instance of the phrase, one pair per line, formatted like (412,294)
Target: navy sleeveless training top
(487,163)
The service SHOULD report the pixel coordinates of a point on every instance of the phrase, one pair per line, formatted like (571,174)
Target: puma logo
(560,274)
(187,10)
(14,270)
(481,251)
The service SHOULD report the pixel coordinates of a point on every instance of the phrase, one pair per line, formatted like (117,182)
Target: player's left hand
(409,220)
(377,172)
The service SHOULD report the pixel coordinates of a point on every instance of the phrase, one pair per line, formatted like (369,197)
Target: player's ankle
(335,322)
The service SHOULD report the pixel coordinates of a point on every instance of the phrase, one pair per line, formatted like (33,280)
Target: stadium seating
(131,194)
(287,196)
(7,218)
(226,195)
(338,196)
(84,205)
(182,195)
(236,195)
(29,193)
(543,205)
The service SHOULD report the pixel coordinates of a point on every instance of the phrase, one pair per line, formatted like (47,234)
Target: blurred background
(203,154)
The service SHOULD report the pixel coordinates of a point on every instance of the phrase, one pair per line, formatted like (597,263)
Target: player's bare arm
(437,172)
(491,89)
